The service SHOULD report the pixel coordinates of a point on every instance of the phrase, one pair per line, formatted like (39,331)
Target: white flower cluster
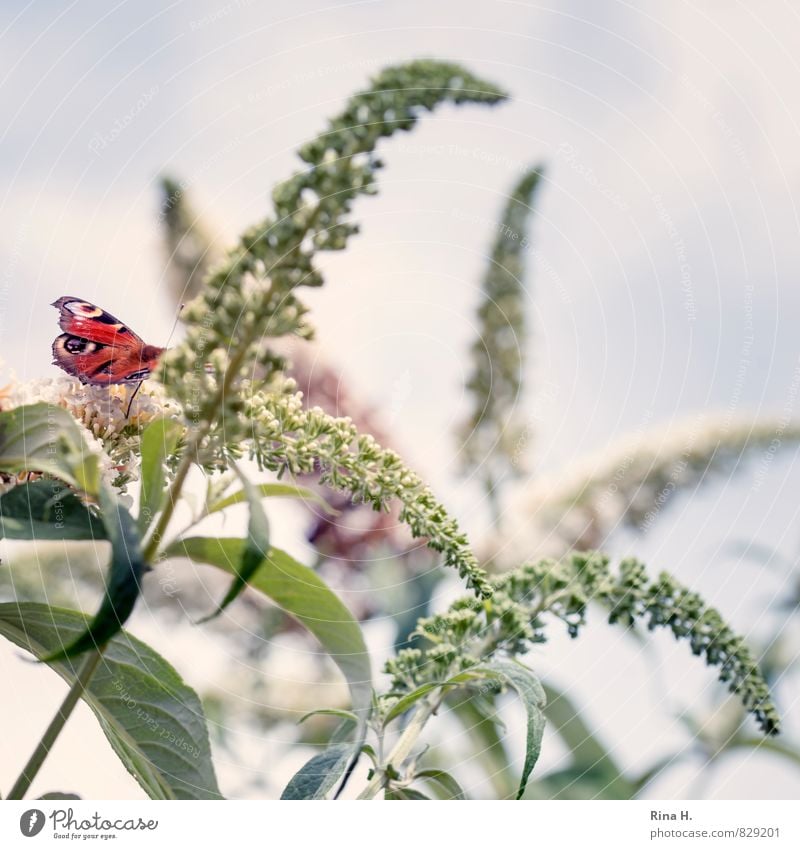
(101,410)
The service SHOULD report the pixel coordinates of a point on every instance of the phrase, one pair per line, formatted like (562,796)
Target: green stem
(404,745)
(190,454)
(151,549)
(92,660)
(49,737)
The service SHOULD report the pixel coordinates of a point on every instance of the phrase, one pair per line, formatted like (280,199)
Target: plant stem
(49,737)
(404,745)
(190,453)
(92,658)
(151,548)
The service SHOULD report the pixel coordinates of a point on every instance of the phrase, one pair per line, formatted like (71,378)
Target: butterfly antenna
(169,339)
(174,324)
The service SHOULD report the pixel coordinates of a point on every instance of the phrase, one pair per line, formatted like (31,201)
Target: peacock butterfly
(99,349)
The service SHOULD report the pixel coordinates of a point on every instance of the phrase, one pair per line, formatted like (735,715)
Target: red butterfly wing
(84,319)
(98,348)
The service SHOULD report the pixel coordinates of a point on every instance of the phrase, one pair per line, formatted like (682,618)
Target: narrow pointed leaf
(565,719)
(342,714)
(318,777)
(159,441)
(300,592)
(405,794)
(275,490)
(47,510)
(44,438)
(581,782)
(255,548)
(593,773)
(152,719)
(345,731)
(410,699)
(123,583)
(484,728)
(444,782)
(533,698)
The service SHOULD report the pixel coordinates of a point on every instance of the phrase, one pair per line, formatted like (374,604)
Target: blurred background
(662,366)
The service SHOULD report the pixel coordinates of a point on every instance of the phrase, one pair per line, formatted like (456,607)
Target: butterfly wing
(99,349)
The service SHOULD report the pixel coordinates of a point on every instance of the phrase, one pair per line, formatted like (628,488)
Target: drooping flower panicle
(251,296)
(286,437)
(224,373)
(514,620)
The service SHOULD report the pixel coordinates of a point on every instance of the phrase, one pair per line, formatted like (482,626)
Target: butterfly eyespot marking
(76,345)
(98,348)
(83,309)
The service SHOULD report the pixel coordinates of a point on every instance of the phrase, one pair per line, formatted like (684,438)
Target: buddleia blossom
(189,249)
(631,483)
(112,431)
(251,296)
(523,600)
(490,434)
(286,437)
(356,532)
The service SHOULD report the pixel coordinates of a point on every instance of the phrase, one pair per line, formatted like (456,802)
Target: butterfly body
(99,349)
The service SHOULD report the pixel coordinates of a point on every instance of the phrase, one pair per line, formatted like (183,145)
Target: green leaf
(641,781)
(317,777)
(565,719)
(371,754)
(452,789)
(300,592)
(123,584)
(593,773)
(344,732)
(152,719)
(483,728)
(581,782)
(255,548)
(159,441)
(275,490)
(44,438)
(343,714)
(475,673)
(410,699)
(47,510)
(533,698)
(405,794)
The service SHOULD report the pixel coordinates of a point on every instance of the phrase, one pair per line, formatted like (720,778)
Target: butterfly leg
(130,402)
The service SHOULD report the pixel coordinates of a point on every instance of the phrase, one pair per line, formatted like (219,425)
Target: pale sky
(664,277)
